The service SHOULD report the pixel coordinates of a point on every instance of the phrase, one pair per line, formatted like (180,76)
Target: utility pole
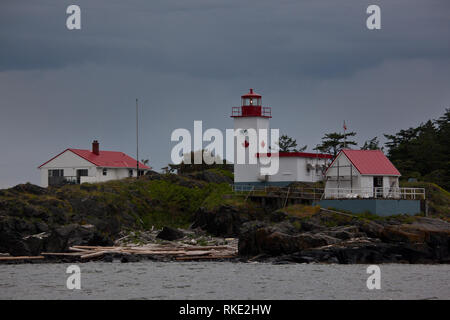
(137,140)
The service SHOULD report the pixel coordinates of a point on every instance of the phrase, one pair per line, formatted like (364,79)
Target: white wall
(69,162)
(295,169)
(248,172)
(350,180)
(111,174)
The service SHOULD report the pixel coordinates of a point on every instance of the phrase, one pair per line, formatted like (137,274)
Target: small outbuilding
(366,181)
(361,174)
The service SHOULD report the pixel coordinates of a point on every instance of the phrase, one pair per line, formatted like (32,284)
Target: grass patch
(223,172)
(438,199)
(301,211)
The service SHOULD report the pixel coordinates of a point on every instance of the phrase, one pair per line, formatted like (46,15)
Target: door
(81,173)
(378,187)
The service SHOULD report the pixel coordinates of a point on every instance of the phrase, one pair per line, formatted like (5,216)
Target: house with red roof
(76,166)
(361,181)
(361,174)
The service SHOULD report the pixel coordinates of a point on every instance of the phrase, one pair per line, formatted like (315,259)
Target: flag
(345,127)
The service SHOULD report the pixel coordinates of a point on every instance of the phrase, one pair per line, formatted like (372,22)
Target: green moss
(300,210)
(128,204)
(202,242)
(223,172)
(297,225)
(437,198)
(218,194)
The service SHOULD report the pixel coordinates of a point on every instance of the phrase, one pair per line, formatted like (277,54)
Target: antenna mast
(137,140)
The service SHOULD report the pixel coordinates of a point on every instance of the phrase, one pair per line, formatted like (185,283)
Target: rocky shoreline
(325,237)
(35,221)
(332,237)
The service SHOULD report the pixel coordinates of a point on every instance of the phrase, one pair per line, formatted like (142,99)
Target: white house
(78,166)
(361,174)
(293,166)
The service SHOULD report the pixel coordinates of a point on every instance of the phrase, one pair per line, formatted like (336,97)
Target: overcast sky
(314,62)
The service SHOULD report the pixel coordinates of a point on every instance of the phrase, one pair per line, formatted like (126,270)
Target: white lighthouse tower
(250,115)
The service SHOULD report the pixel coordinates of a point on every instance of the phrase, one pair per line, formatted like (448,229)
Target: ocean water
(223,280)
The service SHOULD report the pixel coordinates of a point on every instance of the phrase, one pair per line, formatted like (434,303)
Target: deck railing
(279,192)
(330,193)
(375,193)
(250,111)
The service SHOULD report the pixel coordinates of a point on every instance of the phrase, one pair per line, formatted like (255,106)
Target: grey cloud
(313,61)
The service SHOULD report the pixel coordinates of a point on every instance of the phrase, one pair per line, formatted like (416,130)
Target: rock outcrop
(170,234)
(425,240)
(226,220)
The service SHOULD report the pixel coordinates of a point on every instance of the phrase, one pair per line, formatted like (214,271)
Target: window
(82,172)
(56,173)
(105,171)
(378,182)
(130,173)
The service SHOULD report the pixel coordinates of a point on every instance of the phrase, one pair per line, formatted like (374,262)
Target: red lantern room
(251,107)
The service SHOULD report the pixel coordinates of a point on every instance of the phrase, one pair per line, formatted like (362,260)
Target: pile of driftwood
(176,252)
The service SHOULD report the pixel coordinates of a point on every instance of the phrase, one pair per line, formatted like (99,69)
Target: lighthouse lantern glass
(251,101)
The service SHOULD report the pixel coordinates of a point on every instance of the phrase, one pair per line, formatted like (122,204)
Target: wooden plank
(72,254)
(79,249)
(94,247)
(197,253)
(208,248)
(93,255)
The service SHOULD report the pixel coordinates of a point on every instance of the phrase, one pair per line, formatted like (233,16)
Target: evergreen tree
(423,152)
(288,144)
(372,144)
(334,142)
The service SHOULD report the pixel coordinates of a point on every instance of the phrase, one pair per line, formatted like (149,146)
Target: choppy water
(223,280)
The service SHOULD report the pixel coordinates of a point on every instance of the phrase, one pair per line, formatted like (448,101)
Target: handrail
(332,193)
(377,192)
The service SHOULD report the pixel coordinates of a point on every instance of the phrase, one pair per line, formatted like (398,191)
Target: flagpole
(345,138)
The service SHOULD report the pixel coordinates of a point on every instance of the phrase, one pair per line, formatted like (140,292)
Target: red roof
(297,154)
(109,159)
(371,162)
(251,94)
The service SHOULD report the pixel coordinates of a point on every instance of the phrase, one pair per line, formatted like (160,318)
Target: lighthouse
(250,115)
(291,167)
